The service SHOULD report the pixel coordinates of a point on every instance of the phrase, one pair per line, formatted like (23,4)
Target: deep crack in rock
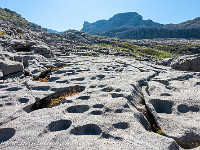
(56,98)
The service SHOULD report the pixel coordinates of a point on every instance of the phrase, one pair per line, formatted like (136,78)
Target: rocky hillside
(195,23)
(132,26)
(79,91)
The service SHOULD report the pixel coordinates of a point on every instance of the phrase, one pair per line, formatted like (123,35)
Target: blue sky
(71,14)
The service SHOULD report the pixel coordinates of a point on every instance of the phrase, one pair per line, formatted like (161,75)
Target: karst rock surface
(187,63)
(64,93)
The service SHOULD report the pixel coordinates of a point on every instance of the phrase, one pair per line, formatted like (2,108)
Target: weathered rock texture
(187,63)
(9,67)
(60,91)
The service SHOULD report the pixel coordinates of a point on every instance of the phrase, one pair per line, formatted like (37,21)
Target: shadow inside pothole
(59,125)
(6,134)
(189,141)
(78,109)
(162,106)
(88,129)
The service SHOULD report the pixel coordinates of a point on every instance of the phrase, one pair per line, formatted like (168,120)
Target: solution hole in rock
(189,141)
(92,86)
(116,95)
(78,79)
(100,77)
(183,108)
(23,100)
(41,88)
(3,86)
(118,138)
(101,86)
(63,81)
(118,111)
(96,112)
(52,79)
(118,90)
(88,129)
(84,97)
(6,134)
(121,125)
(3,96)
(106,135)
(78,109)
(59,125)
(93,78)
(108,110)
(197,83)
(13,89)
(165,94)
(107,89)
(98,106)
(9,104)
(162,106)
(194,108)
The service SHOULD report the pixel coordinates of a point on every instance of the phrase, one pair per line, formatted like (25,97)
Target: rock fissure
(186,142)
(55,99)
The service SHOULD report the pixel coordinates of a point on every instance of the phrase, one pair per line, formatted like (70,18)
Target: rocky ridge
(131,26)
(77,91)
(121,20)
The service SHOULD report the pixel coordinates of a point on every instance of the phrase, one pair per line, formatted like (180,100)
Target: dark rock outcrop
(122,20)
(187,63)
(132,26)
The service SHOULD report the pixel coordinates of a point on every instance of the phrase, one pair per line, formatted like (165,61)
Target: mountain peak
(120,20)
(129,15)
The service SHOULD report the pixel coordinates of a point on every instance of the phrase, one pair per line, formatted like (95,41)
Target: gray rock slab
(187,63)
(9,67)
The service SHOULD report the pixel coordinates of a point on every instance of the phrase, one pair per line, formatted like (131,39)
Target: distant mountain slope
(122,20)
(195,23)
(52,31)
(131,26)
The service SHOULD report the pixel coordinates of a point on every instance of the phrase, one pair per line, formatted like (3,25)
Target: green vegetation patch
(11,15)
(2,33)
(138,50)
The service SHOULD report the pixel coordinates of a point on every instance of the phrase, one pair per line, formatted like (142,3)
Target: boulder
(42,50)
(187,63)
(24,59)
(17,44)
(8,67)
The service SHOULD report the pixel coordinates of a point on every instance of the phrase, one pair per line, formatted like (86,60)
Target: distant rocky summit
(52,31)
(131,26)
(122,20)
(77,91)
